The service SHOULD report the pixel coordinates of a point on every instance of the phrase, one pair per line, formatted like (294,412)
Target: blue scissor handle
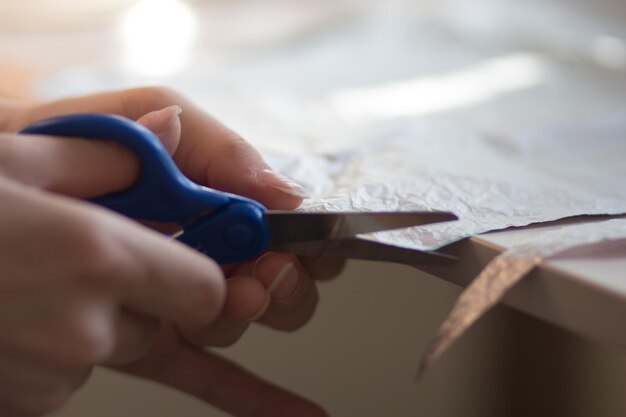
(227,227)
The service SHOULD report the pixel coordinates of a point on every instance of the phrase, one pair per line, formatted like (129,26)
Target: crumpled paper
(489,185)
(506,270)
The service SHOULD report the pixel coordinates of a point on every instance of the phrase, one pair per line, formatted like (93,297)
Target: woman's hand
(212,155)
(276,290)
(80,287)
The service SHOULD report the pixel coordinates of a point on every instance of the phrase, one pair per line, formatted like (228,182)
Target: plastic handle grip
(162,193)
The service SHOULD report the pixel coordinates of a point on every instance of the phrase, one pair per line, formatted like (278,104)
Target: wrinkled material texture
(490,185)
(490,181)
(432,123)
(506,270)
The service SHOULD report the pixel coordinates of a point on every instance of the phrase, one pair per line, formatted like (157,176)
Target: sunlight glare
(609,52)
(443,92)
(157,36)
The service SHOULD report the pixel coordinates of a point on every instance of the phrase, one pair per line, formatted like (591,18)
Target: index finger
(209,153)
(149,273)
(90,251)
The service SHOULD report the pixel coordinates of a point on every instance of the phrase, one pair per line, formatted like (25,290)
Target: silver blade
(356,248)
(292,226)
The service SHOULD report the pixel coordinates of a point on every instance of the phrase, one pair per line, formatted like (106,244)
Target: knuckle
(88,334)
(94,349)
(149,98)
(238,149)
(100,258)
(162,93)
(95,341)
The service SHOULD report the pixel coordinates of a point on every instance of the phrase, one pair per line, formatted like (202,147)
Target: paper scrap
(506,270)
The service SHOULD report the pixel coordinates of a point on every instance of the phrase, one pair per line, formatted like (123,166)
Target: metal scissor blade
(293,226)
(356,248)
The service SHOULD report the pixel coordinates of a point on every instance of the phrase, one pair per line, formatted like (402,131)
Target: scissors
(227,227)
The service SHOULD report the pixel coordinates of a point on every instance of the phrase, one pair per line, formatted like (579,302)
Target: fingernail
(282,183)
(285,282)
(280,278)
(172,113)
(165,123)
(175,109)
(167,114)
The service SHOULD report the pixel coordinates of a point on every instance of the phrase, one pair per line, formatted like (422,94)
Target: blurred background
(313,76)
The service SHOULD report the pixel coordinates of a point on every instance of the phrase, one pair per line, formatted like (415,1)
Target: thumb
(77,167)
(164,123)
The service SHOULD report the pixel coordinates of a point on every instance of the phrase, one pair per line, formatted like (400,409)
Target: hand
(288,306)
(212,155)
(81,286)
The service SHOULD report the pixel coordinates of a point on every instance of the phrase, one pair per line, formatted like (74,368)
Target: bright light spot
(441,92)
(157,35)
(609,52)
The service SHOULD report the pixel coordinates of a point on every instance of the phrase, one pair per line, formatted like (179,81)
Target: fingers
(78,281)
(323,269)
(286,280)
(291,283)
(274,290)
(209,153)
(78,167)
(246,300)
(159,277)
(164,278)
(294,294)
(104,261)
(70,166)
(217,381)
(134,334)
